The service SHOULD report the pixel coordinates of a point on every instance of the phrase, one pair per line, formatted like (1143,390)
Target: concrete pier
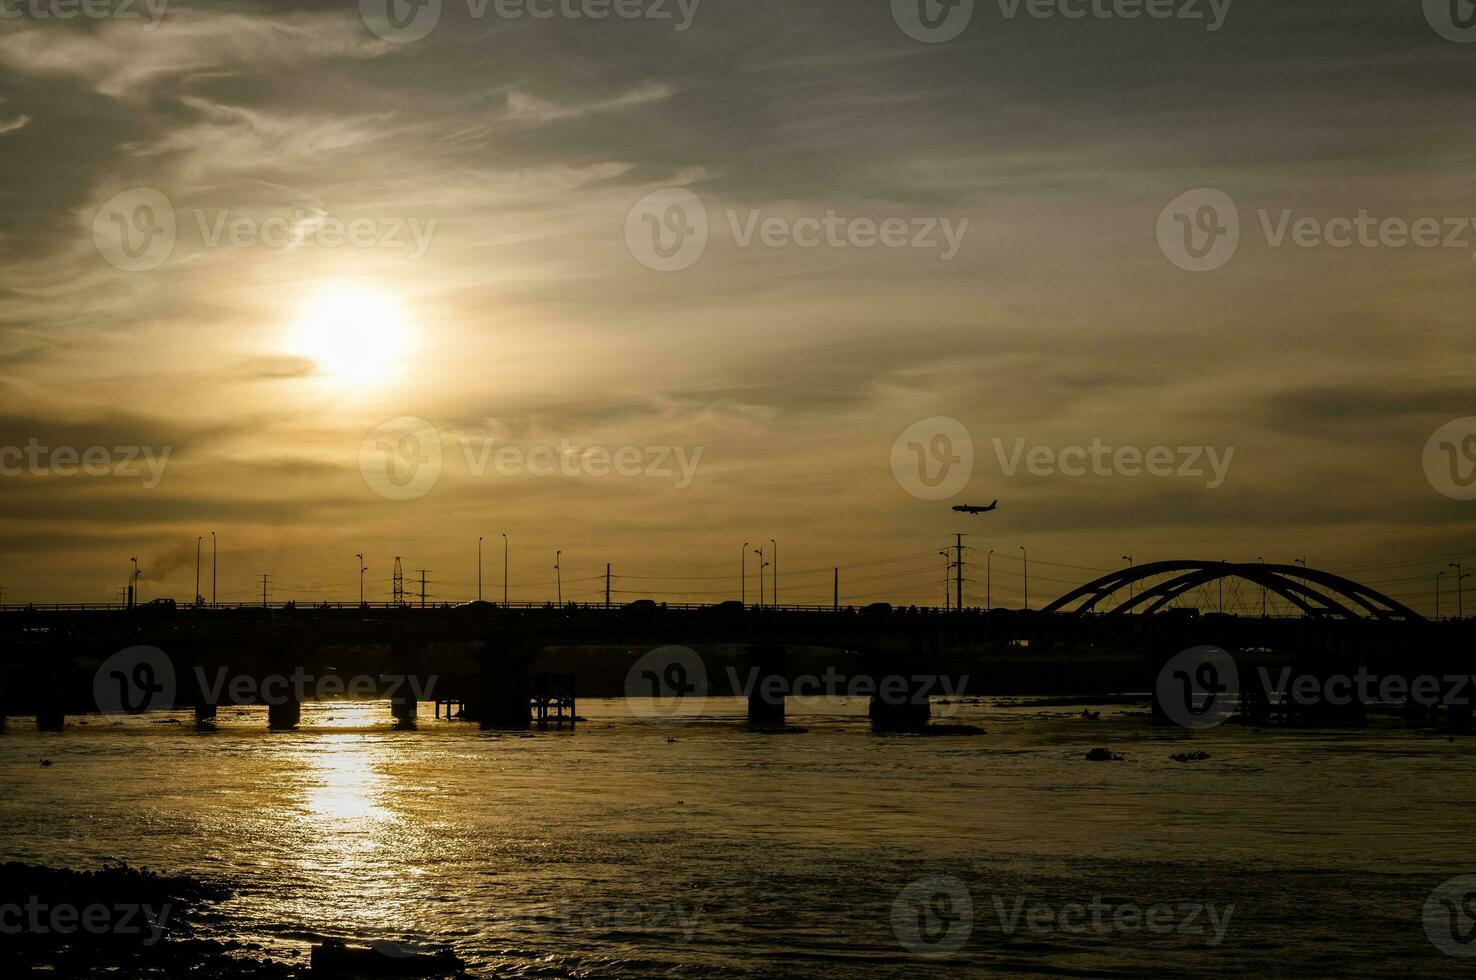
(767,664)
(404,709)
(284,715)
(900,704)
(204,713)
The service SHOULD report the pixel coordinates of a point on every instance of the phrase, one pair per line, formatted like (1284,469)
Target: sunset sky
(497,290)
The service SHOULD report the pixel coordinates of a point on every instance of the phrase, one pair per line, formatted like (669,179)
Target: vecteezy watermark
(933,458)
(673,921)
(1200,230)
(1450,917)
(1450,459)
(1099,459)
(64,919)
(401,459)
(668,230)
(403,21)
(64,461)
(1105,918)
(933,916)
(134,680)
(137,230)
(668,684)
(1198,687)
(142,678)
(152,11)
(1201,687)
(832,686)
(1454,20)
(935,21)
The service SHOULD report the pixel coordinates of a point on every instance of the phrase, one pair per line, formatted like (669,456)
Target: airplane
(970,509)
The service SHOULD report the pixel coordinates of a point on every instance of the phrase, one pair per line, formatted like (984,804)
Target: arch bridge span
(1148,588)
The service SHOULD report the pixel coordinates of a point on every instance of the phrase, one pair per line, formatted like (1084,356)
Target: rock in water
(1103,755)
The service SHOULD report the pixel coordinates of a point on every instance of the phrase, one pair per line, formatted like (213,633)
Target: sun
(353,333)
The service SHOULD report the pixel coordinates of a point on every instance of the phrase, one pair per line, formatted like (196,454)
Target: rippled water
(620,852)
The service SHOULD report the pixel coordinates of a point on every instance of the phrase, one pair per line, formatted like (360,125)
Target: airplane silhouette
(971,509)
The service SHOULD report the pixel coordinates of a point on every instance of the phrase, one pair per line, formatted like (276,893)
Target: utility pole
(213,603)
(774,580)
(1026,555)
(958,572)
(559,577)
(989,581)
(361,579)
(835,596)
(607,585)
(743,574)
(198,598)
(397,585)
(133,584)
(1460,589)
(1438,576)
(479,568)
(947,567)
(504,569)
(422,588)
(265,581)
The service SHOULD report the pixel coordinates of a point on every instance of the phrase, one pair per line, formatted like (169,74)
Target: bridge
(1108,636)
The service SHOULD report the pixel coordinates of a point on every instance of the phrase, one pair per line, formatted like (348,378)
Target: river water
(640,849)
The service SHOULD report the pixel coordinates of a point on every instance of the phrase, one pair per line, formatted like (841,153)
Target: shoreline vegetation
(121,922)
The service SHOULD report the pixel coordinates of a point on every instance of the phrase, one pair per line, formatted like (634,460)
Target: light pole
(947,567)
(133,585)
(1027,576)
(1460,589)
(559,578)
(198,539)
(989,581)
(361,579)
(743,575)
(1438,576)
(504,569)
(1263,588)
(479,568)
(212,570)
(1129,560)
(762,565)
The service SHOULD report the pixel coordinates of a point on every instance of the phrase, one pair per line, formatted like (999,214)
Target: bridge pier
(50,715)
(404,708)
(900,703)
(204,714)
(285,714)
(767,663)
(503,699)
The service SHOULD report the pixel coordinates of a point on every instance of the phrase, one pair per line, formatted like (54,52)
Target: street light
(361,579)
(133,584)
(743,575)
(1438,576)
(479,568)
(1027,576)
(559,578)
(1263,589)
(212,570)
(762,565)
(1460,589)
(504,569)
(1129,560)
(198,598)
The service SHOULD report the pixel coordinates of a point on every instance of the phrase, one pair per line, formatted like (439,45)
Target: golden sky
(252,235)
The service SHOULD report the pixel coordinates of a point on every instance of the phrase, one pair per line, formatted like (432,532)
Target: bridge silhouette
(1108,636)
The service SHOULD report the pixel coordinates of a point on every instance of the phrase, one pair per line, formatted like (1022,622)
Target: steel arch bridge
(1319,594)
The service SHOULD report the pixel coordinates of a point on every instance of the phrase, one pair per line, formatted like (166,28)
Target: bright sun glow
(354,334)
